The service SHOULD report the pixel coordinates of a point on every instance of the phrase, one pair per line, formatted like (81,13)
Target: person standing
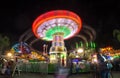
(4,68)
(109,66)
(8,70)
(102,65)
(77,67)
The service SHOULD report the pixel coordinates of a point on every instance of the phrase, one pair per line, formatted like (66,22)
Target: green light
(91,44)
(87,44)
(77,45)
(116,56)
(81,44)
(94,45)
(62,55)
(57,29)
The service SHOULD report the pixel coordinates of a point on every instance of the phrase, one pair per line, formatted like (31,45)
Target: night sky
(17,16)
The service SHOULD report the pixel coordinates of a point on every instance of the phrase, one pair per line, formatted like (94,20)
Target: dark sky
(17,16)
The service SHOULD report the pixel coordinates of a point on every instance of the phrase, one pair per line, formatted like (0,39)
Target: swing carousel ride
(56,26)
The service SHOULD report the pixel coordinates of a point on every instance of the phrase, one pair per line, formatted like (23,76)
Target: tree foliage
(116,34)
(4,43)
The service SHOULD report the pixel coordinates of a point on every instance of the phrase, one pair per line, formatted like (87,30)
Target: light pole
(45,49)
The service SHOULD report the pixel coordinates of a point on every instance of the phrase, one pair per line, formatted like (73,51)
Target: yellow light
(95,60)
(9,54)
(80,50)
(77,56)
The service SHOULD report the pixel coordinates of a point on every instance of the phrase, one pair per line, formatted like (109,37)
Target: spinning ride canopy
(21,48)
(58,21)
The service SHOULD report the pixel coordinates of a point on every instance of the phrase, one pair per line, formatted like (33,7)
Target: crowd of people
(102,69)
(6,67)
(104,66)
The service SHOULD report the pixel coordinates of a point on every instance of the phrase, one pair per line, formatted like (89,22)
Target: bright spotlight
(95,60)
(9,54)
(77,56)
(80,50)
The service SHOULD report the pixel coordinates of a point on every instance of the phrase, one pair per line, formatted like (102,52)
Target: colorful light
(56,26)
(21,47)
(63,21)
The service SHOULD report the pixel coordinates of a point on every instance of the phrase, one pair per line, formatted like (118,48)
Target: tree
(4,43)
(116,34)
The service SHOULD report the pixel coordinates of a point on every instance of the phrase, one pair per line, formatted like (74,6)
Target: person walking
(102,65)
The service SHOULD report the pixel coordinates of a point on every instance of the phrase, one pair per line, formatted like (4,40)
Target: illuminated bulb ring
(57,21)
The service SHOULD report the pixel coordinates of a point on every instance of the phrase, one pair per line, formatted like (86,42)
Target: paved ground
(116,74)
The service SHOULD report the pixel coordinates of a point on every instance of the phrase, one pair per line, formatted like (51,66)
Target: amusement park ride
(56,26)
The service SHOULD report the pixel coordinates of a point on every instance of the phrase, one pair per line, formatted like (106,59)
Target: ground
(116,74)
